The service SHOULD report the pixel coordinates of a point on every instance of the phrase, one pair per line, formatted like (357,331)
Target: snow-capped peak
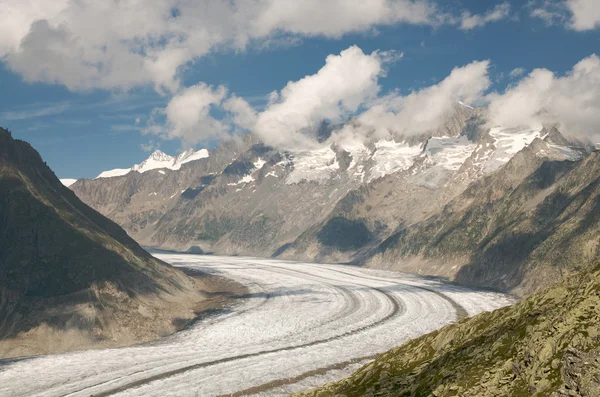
(160,156)
(159,160)
(191,155)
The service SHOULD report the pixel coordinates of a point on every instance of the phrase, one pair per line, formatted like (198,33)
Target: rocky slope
(546,345)
(518,229)
(246,198)
(345,201)
(69,277)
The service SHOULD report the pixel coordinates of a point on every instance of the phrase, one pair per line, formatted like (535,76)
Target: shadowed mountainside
(69,277)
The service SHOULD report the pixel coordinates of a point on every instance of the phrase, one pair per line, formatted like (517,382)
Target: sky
(100,85)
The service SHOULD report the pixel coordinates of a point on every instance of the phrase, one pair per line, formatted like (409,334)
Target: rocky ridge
(71,278)
(343,202)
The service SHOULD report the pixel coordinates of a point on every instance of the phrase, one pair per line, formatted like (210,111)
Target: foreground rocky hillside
(69,277)
(546,345)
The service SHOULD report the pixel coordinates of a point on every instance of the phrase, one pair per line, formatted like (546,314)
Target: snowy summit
(158,160)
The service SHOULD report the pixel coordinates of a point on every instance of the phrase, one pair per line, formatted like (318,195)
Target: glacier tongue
(391,156)
(509,141)
(449,153)
(313,165)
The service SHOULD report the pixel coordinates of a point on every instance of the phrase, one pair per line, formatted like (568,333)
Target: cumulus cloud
(470,21)
(572,99)
(345,88)
(424,110)
(586,14)
(90,44)
(241,113)
(578,15)
(337,17)
(188,115)
(336,91)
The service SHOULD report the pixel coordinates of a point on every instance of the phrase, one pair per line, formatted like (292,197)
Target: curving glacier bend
(302,324)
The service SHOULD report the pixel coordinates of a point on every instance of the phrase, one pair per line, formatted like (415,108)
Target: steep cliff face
(546,345)
(69,277)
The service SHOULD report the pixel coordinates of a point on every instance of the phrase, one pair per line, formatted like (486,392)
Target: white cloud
(343,88)
(550,11)
(578,15)
(242,114)
(35,111)
(290,119)
(89,44)
(333,18)
(573,99)
(586,14)
(336,91)
(425,110)
(188,115)
(517,72)
(470,21)
(150,146)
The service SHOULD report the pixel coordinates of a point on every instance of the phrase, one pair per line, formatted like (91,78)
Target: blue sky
(81,131)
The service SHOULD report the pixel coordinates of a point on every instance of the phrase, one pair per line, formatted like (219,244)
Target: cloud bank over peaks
(572,100)
(422,111)
(346,91)
(188,115)
(336,91)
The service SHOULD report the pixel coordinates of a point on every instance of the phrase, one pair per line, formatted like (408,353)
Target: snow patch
(465,105)
(449,153)
(68,181)
(508,142)
(391,156)
(313,165)
(258,164)
(245,179)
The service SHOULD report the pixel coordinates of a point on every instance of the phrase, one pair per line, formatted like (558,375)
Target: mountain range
(429,203)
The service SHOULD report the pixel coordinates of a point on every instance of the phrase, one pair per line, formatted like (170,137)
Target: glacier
(296,318)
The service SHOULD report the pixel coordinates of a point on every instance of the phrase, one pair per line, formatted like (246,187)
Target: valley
(290,331)
(316,198)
